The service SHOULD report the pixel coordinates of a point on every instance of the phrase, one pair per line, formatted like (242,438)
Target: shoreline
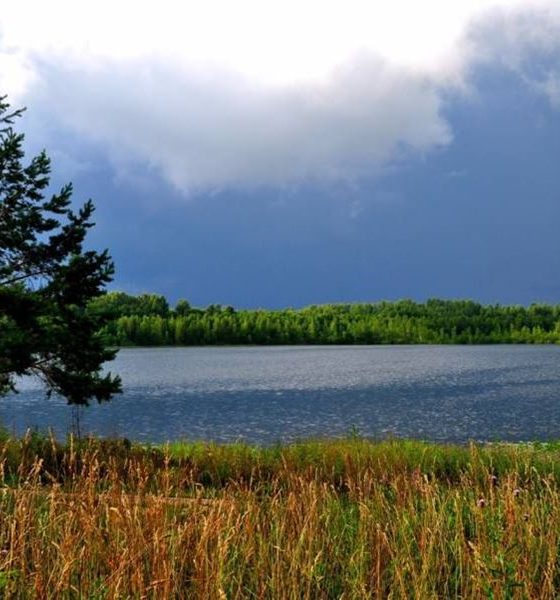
(320,519)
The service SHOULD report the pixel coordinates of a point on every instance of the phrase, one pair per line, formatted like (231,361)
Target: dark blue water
(269,394)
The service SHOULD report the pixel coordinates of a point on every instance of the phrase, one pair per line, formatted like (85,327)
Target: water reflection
(268,394)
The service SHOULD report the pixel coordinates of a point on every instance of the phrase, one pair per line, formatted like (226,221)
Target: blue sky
(332,169)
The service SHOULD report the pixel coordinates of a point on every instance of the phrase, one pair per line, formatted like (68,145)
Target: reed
(318,519)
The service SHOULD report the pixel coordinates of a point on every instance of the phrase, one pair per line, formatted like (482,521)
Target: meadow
(348,518)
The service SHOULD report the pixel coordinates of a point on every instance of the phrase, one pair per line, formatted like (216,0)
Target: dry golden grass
(349,519)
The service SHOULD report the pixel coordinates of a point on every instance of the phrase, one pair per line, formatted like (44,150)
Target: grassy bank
(341,519)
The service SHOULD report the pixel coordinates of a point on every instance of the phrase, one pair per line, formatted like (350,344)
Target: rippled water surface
(268,394)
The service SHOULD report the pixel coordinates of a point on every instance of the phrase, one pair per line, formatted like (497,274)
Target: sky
(273,154)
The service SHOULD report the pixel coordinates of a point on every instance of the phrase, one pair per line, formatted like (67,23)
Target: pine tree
(47,279)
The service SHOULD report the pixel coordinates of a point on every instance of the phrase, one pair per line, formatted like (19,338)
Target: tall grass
(345,519)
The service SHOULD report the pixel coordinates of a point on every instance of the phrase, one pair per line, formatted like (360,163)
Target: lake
(283,393)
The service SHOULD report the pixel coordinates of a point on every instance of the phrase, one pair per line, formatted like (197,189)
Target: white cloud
(249,92)
(205,130)
(527,43)
(16,75)
(272,41)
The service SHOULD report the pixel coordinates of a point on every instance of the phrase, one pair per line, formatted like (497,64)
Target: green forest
(149,320)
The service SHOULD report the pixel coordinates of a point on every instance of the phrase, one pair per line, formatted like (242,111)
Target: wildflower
(481,502)
(494,480)
(516,492)
(526,516)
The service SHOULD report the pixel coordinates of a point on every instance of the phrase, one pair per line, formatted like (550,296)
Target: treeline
(149,320)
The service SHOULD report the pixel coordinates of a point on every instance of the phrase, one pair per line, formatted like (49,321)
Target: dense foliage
(47,279)
(148,320)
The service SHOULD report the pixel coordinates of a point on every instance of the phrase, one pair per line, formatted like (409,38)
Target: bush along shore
(148,320)
(318,519)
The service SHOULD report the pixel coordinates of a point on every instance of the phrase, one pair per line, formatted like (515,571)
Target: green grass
(344,518)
